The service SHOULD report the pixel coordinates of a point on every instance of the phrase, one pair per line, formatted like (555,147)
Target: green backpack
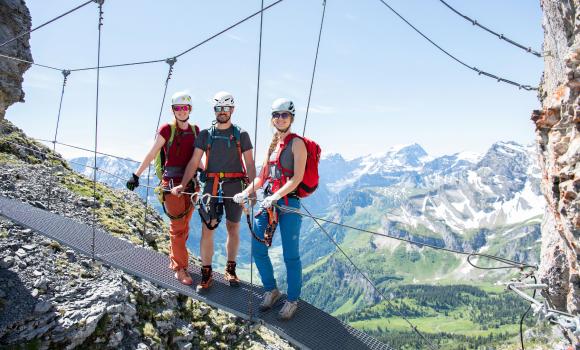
(161,158)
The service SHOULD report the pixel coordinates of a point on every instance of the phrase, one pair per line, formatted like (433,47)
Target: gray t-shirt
(224,154)
(286,160)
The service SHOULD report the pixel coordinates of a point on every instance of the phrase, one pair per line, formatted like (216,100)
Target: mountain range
(488,203)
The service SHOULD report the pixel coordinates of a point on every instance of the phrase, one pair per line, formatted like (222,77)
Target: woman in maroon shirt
(179,209)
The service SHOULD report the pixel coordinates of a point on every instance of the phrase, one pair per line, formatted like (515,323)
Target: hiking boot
(230,274)
(206,279)
(183,276)
(270,298)
(288,310)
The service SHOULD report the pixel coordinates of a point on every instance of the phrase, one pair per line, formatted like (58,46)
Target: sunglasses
(222,108)
(283,115)
(181,108)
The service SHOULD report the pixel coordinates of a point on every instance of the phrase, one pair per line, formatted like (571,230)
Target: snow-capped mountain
(466,201)
(464,190)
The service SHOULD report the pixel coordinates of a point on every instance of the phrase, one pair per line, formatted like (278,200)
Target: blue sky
(378,83)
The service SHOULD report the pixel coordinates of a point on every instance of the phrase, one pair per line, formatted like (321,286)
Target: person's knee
(178,232)
(206,234)
(259,250)
(291,259)
(233,227)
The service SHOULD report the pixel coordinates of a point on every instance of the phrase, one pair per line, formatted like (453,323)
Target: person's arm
(259,180)
(192,166)
(250,165)
(300,155)
(190,170)
(159,142)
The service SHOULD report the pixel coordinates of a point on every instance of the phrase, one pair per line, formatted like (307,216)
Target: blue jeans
(289,224)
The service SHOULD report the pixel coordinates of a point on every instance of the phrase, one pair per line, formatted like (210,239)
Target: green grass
(434,325)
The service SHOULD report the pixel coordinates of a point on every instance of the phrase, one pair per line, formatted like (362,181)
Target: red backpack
(310,180)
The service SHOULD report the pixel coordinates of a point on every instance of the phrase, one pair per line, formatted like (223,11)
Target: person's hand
(241,197)
(176,191)
(133,182)
(268,201)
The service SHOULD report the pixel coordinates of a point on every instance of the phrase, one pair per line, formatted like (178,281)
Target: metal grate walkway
(310,329)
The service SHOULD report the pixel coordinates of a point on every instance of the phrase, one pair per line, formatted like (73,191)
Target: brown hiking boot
(230,274)
(206,279)
(183,276)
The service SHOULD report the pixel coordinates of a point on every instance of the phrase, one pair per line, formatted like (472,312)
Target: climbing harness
(218,178)
(270,228)
(161,191)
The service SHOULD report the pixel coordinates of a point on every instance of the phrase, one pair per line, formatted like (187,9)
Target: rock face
(14,20)
(557,130)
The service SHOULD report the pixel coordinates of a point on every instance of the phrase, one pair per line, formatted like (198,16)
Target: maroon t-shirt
(180,151)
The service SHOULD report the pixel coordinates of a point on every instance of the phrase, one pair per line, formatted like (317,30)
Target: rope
(45,23)
(511,263)
(250,296)
(475,69)
(314,68)
(86,149)
(29,62)
(189,49)
(65,74)
(413,327)
(96,127)
(118,65)
(500,36)
(170,62)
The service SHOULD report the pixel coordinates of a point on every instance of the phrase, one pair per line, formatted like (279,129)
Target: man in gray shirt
(229,168)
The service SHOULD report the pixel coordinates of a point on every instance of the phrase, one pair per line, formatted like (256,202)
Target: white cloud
(319,109)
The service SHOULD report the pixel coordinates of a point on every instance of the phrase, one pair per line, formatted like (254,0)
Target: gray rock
(7,262)
(21,253)
(184,345)
(208,334)
(42,307)
(41,283)
(116,339)
(29,247)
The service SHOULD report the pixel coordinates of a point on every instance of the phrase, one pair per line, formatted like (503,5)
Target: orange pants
(178,229)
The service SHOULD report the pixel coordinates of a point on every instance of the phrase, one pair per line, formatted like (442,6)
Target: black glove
(133,182)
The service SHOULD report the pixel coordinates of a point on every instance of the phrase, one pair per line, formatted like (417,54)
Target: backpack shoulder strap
(285,143)
(210,136)
(237,137)
(237,133)
(171,137)
(283,146)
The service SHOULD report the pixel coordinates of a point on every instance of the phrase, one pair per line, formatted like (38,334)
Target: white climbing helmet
(223,99)
(283,105)
(181,98)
